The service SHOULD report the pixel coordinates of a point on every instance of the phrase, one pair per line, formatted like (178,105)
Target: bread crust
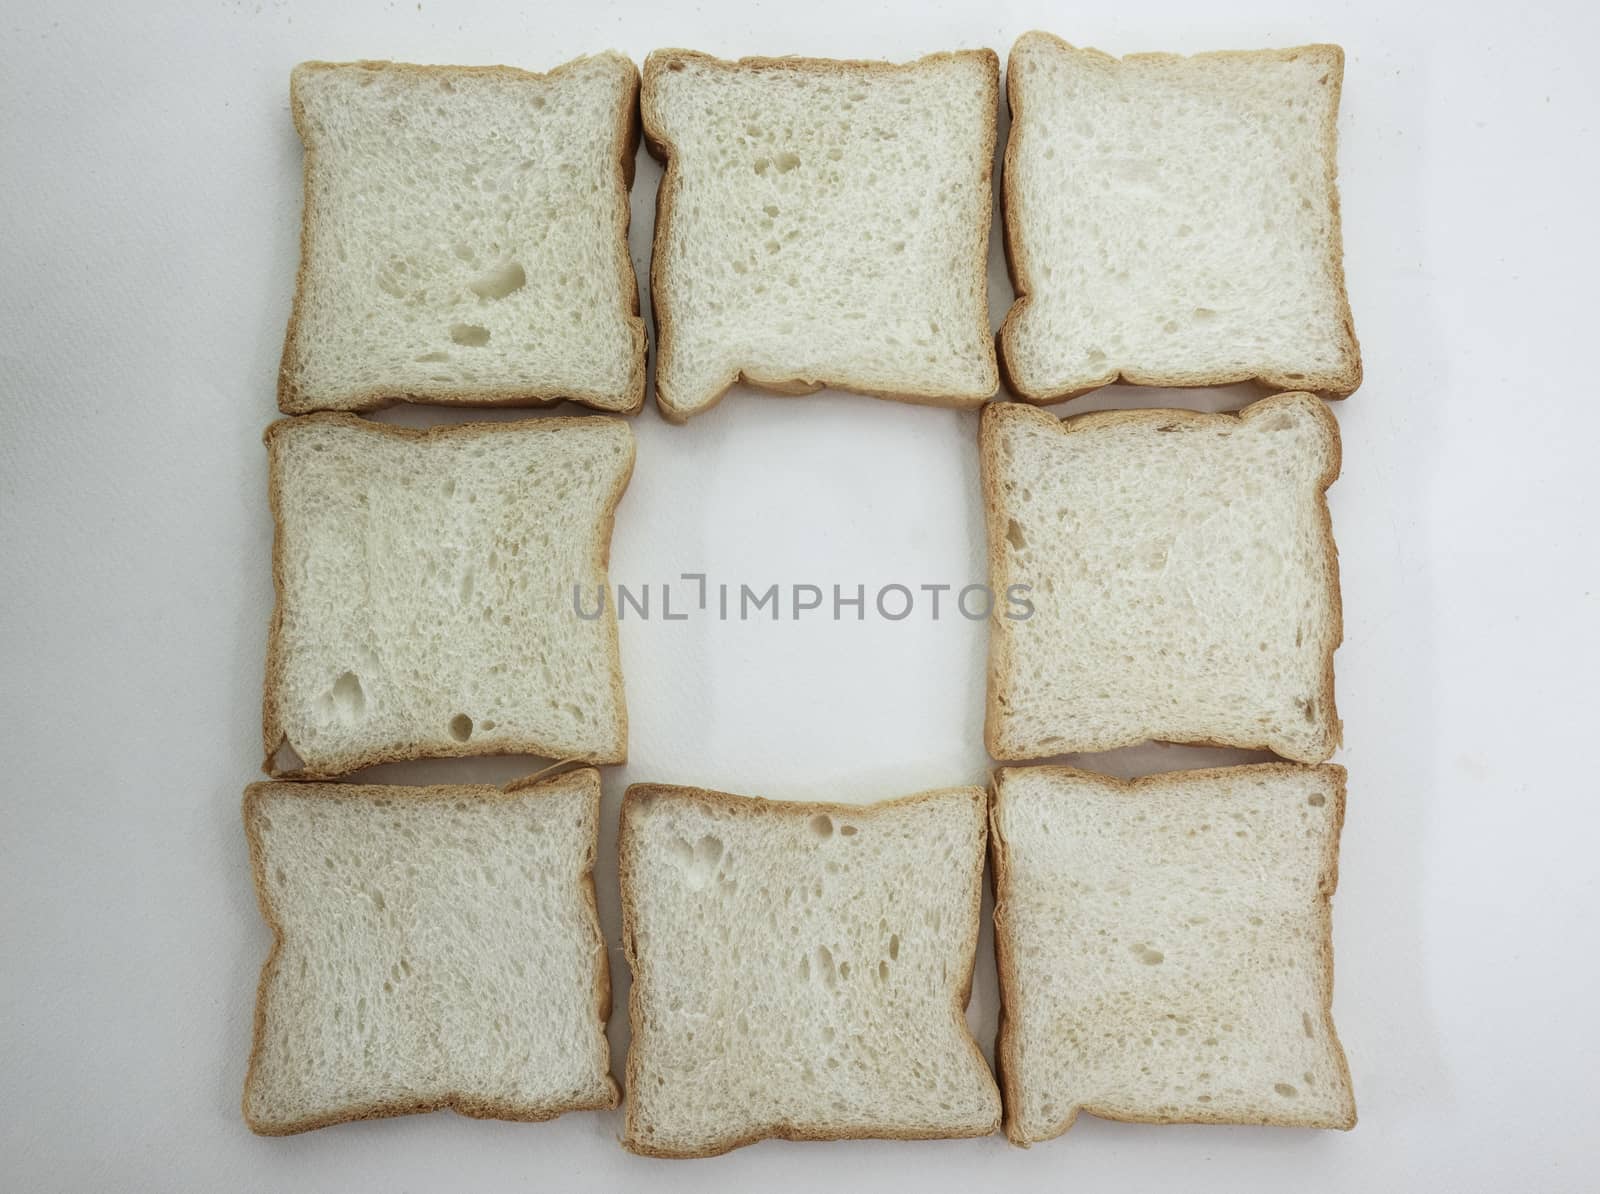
(1006,1043)
(273,735)
(462,1103)
(1339,383)
(292,397)
(995,516)
(756,806)
(661,148)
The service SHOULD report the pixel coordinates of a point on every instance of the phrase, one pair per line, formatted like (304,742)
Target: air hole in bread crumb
(497,283)
(348,698)
(429,357)
(1014,535)
(825,966)
(461,727)
(822,825)
(786,162)
(1316,800)
(1285,1089)
(470,334)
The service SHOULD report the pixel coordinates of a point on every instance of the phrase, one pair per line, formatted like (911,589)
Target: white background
(149,209)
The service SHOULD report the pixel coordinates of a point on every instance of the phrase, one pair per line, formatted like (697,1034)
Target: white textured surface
(802,970)
(434,946)
(1181,580)
(1169,946)
(825,227)
(1176,219)
(465,238)
(427,604)
(152,196)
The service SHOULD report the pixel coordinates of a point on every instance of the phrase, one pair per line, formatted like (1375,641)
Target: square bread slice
(822,223)
(1164,947)
(1181,573)
(801,970)
(1174,221)
(432,947)
(442,592)
(465,238)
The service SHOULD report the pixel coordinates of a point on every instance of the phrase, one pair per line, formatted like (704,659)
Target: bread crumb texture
(1183,575)
(425,590)
(1165,948)
(801,970)
(434,947)
(823,223)
(1174,221)
(465,236)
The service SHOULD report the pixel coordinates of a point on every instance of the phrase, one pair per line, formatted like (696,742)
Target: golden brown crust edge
(1337,384)
(463,1104)
(273,735)
(1005,1044)
(999,660)
(755,805)
(661,148)
(292,398)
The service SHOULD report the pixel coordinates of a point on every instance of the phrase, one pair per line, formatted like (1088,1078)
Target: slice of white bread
(426,591)
(1164,947)
(801,970)
(822,223)
(432,947)
(1174,221)
(1182,573)
(465,237)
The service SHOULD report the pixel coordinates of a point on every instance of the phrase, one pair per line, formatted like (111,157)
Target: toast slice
(465,237)
(438,592)
(432,947)
(1182,575)
(1174,221)
(822,223)
(801,970)
(1164,947)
